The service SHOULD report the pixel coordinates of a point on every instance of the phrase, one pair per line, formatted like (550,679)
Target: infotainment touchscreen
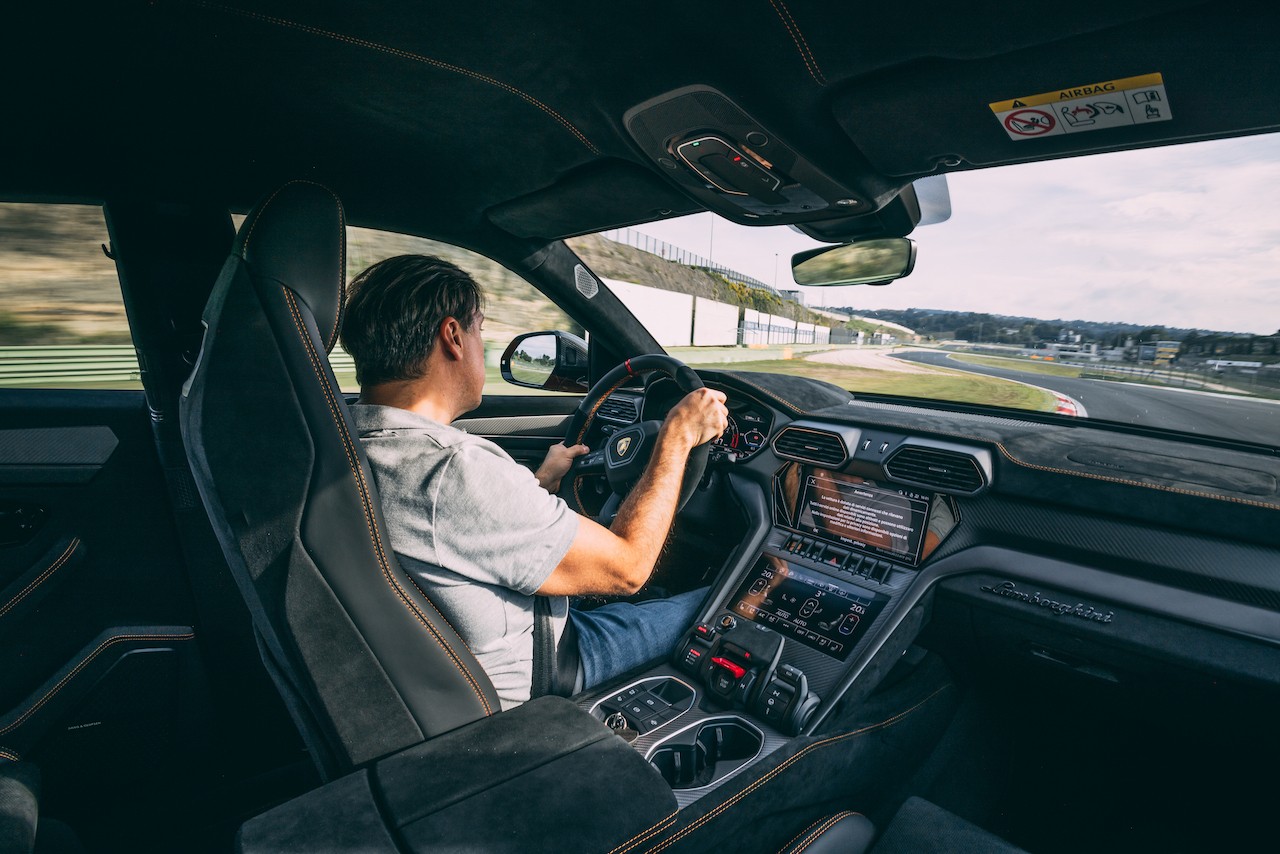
(814,609)
(846,509)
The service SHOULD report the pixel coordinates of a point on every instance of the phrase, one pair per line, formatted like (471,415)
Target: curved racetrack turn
(1209,414)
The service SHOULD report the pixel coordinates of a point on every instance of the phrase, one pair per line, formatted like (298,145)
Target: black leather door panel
(101,681)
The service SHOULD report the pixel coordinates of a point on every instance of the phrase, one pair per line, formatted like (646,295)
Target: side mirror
(870,262)
(551,361)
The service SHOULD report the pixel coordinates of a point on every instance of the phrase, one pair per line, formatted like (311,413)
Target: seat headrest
(298,237)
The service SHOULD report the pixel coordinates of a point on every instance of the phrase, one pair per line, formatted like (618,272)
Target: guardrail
(671,252)
(1197,376)
(79,364)
(71,364)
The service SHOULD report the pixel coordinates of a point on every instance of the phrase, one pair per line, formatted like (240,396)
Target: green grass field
(939,385)
(936,383)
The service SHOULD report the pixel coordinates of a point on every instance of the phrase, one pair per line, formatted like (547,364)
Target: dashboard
(857,509)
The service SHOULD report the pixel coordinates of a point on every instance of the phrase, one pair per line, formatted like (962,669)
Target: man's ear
(450,337)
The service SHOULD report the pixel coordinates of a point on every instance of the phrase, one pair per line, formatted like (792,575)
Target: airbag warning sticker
(1112,103)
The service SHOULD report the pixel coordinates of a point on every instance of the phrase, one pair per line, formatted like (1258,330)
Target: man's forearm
(620,559)
(645,517)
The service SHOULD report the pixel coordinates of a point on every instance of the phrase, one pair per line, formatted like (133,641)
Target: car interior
(928,626)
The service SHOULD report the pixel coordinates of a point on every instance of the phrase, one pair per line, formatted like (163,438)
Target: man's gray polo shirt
(476,528)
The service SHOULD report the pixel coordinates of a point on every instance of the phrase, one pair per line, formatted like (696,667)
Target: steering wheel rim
(686,380)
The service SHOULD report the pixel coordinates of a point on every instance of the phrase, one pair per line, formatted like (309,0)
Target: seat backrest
(366,663)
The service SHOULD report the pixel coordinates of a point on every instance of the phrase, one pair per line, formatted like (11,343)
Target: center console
(787,632)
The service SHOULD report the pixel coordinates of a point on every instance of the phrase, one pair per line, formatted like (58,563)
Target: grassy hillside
(60,288)
(619,261)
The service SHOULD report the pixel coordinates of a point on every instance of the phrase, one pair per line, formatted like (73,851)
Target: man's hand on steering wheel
(693,422)
(698,418)
(556,465)
(657,465)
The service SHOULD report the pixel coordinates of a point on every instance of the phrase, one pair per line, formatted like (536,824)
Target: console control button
(654,703)
(725,676)
(775,701)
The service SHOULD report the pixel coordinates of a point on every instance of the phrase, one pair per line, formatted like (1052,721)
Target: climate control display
(814,609)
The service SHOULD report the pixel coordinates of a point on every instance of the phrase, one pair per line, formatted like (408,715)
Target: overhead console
(731,164)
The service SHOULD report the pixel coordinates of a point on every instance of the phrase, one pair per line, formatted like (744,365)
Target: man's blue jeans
(621,636)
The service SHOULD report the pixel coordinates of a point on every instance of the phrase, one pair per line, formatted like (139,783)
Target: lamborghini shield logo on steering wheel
(621,447)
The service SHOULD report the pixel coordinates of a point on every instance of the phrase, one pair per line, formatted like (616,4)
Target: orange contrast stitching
(810,61)
(827,821)
(366,502)
(42,577)
(645,835)
(342,276)
(787,764)
(363,488)
(832,822)
(599,402)
(12,757)
(774,395)
(586,424)
(404,54)
(342,251)
(252,226)
(62,683)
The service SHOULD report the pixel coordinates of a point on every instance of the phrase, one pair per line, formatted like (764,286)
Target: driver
(478,529)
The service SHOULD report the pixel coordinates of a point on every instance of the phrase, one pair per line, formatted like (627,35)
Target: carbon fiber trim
(1041,451)
(537,426)
(1240,572)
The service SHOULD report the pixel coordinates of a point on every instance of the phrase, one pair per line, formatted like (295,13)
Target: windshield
(1137,287)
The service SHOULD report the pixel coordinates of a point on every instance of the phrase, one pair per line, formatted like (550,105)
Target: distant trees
(1153,333)
(1012,329)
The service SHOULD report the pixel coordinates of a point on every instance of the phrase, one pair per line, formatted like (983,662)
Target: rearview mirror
(870,262)
(551,361)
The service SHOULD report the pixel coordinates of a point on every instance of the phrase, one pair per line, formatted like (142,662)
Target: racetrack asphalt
(1209,414)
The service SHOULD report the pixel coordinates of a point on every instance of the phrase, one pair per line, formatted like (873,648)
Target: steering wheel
(626,453)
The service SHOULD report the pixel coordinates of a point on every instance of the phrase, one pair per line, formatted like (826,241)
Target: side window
(62,320)
(512,305)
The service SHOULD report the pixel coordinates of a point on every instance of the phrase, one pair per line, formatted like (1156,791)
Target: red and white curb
(1068,405)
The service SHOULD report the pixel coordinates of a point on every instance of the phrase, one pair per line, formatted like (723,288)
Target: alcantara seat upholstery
(366,663)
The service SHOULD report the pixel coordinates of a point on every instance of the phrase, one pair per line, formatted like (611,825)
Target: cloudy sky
(1185,236)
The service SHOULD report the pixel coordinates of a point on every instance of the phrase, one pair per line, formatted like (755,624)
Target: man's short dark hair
(395,310)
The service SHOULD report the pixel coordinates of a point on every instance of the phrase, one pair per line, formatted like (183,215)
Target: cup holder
(717,749)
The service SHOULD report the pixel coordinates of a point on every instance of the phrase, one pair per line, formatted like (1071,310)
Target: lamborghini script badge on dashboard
(621,448)
(1009,590)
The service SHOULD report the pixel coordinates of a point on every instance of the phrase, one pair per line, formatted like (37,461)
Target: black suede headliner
(424,117)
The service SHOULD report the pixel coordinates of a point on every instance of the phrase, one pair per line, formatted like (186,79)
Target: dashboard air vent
(810,446)
(948,471)
(619,408)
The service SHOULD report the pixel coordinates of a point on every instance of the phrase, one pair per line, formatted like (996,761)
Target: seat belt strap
(544,649)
